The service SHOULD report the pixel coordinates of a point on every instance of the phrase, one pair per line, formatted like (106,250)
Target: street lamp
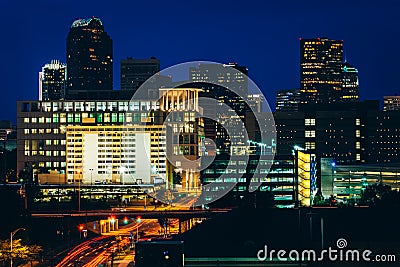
(138,220)
(11,244)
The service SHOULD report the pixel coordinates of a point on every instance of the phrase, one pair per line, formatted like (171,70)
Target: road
(100,249)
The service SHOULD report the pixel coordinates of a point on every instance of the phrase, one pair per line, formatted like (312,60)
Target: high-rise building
(134,72)
(52,81)
(255,102)
(116,141)
(89,57)
(391,103)
(287,100)
(350,91)
(320,70)
(224,83)
(232,76)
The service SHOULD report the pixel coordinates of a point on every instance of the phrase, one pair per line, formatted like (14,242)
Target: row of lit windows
(100,117)
(91,106)
(50,164)
(46,153)
(43,131)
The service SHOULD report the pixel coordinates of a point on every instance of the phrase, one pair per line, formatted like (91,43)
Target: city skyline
(254,48)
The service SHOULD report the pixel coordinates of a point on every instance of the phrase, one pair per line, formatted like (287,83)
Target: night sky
(262,35)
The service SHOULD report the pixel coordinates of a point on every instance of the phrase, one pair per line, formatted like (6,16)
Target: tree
(380,195)
(20,251)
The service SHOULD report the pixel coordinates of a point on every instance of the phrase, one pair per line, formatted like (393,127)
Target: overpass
(150,214)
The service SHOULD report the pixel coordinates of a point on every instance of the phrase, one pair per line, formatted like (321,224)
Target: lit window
(26,120)
(310,145)
(358,145)
(358,133)
(309,133)
(309,122)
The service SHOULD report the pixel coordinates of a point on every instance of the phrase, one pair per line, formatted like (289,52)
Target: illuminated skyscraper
(287,100)
(89,56)
(222,82)
(391,103)
(52,81)
(320,70)
(350,92)
(134,72)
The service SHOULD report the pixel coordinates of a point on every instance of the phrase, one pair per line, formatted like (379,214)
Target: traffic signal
(81,227)
(138,219)
(126,220)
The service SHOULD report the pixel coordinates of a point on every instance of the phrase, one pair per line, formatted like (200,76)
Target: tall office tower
(223,74)
(255,101)
(320,70)
(89,57)
(220,82)
(52,81)
(350,92)
(391,103)
(287,100)
(134,72)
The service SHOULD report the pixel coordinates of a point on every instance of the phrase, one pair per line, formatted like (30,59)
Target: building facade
(287,100)
(349,181)
(108,141)
(89,57)
(134,72)
(115,153)
(52,81)
(350,86)
(321,70)
(391,103)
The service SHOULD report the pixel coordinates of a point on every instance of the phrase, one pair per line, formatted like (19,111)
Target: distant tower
(350,86)
(287,100)
(134,72)
(320,70)
(52,81)
(391,103)
(89,56)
